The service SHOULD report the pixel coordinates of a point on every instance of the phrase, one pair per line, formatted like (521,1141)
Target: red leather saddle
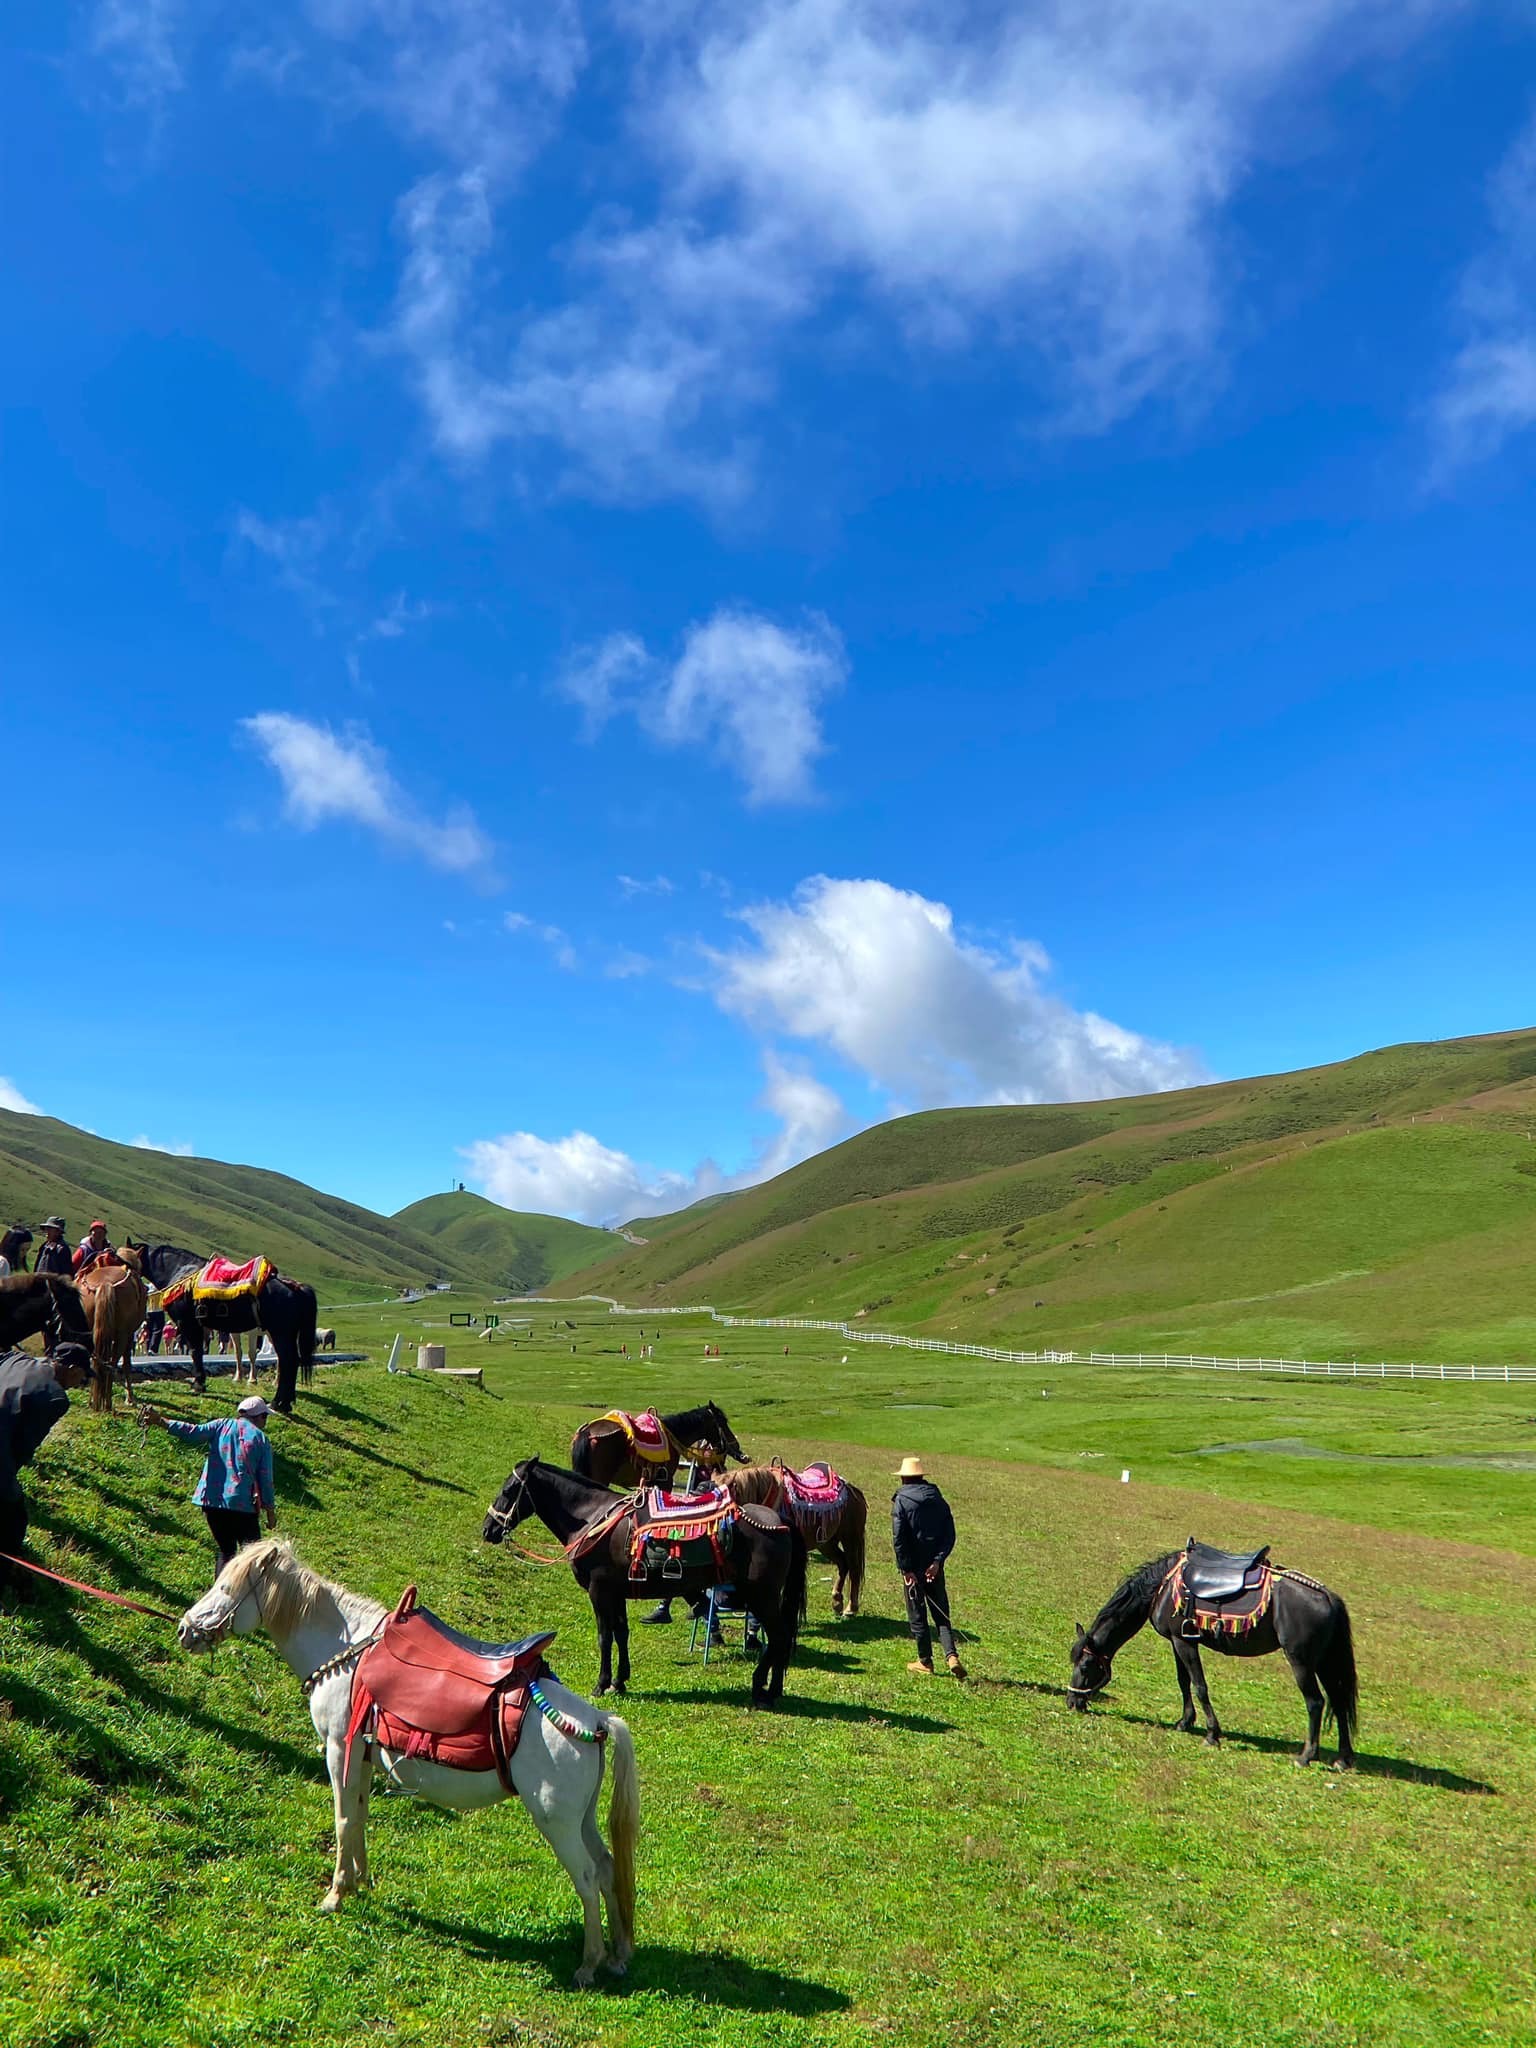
(427,1691)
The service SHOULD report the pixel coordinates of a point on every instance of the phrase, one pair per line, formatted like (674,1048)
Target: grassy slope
(48,1167)
(1383,1206)
(515,1249)
(888,1859)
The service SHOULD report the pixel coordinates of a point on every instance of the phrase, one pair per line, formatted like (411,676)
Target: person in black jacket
(923,1535)
(32,1399)
(54,1255)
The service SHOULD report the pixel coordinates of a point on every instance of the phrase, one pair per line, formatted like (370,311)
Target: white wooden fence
(1147,1361)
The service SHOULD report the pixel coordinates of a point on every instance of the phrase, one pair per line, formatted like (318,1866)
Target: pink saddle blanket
(818,1486)
(650,1433)
(661,1502)
(225,1273)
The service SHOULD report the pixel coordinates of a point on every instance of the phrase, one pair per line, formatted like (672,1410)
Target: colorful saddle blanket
(818,1487)
(223,1280)
(649,1438)
(423,1690)
(679,1532)
(1217,1593)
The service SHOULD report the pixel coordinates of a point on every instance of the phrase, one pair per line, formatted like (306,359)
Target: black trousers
(930,1597)
(229,1528)
(13,1534)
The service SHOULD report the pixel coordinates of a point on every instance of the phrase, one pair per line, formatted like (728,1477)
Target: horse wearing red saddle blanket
(830,1513)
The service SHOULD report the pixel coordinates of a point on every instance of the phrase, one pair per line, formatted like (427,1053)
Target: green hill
(1384,1206)
(513,1249)
(48,1167)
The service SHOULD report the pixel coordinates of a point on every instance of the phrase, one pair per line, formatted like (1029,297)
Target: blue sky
(599,595)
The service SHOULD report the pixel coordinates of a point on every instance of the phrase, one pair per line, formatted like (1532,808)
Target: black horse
(284,1309)
(1305,1620)
(46,1304)
(768,1569)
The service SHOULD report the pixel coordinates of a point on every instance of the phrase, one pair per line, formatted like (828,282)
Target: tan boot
(920,1667)
(956,1668)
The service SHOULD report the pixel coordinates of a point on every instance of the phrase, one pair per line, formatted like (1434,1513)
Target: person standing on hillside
(53,1255)
(13,1250)
(923,1536)
(94,1250)
(236,1475)
(33,1397)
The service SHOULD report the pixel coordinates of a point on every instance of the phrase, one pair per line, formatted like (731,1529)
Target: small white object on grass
(1125,1476)
(845,1358)
(394,1353)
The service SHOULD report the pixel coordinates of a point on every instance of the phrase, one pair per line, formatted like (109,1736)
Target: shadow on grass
(94,1752)
(131,1504)
(721,1978)
(865,1628)
(791,1708)
(128,1574)
(60,1627)
(1366,1764)
(299,1419)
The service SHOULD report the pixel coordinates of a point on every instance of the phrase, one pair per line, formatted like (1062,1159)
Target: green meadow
(886,1859)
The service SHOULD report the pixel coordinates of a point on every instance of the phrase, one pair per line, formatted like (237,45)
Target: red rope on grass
(96,1592)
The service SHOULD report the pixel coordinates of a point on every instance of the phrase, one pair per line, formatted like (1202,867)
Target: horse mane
(759,1483)
(289,1591)
(1133,1596)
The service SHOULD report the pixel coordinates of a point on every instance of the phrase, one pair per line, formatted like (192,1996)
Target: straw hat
(911,1468)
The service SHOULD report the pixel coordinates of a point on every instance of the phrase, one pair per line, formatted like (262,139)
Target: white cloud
(1490,390)
(631,885)
(581,1177)
(296,548)
(627,966)
(12,1098)
(326,777)
(143,1144)
(137,41)
(1053,180)
(549,934)
(747,689)
(880,977)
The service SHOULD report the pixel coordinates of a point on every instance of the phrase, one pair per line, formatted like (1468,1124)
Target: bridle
(508,1518)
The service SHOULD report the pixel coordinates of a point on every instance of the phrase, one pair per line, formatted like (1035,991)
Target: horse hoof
(1343,1763)
(617,1966)
(331,1903)
(582,1981)
(1213,1742)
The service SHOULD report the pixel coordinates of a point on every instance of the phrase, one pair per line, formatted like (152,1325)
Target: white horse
(320,1629)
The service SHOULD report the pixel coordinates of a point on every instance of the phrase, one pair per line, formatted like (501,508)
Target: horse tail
(854,1545)
(1336,1670)
(581,1453)
(309,1314)
(623,1819)
(103,1313)
(796,1585)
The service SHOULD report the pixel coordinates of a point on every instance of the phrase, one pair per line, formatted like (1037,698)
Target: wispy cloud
(143,1144)
(137,42)
(745,688)
(328,778)
(658,885)
(1489,394)
(12,1098)
(559,944)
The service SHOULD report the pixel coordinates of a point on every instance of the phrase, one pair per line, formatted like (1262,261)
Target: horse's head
(1092,1668)
(511,1506)
(231,1606)
(722,1436)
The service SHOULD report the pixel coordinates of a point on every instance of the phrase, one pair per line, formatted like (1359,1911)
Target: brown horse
(115,1299)
(838,1535)
(601,1450)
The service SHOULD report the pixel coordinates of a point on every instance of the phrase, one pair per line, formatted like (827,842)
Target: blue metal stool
(720,1607)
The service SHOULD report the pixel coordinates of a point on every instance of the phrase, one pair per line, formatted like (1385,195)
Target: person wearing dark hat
(33,1396)
(236,1475)
(54,1255)
(94,1250)
(923,1535)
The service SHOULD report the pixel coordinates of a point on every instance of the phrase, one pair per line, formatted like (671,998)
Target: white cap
(254,1408)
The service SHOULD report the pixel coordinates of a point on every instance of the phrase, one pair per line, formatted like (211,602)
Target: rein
(96,1592)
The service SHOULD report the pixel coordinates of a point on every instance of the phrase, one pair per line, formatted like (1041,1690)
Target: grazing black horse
(1305,1620)
(42,1303)
(768,1569)
(284,1309)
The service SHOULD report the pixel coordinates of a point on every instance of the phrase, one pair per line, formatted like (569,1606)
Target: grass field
(888,1859)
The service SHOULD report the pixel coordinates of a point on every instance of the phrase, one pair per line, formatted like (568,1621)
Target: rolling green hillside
(48,1167)
(1384,1206)
(512,1248)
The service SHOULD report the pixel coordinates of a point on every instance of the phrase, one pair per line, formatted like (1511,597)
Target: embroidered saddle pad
(648,1436)
(1220,1592)
(818,1486)
(223,1280)
(680,1532)
(424,1690)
